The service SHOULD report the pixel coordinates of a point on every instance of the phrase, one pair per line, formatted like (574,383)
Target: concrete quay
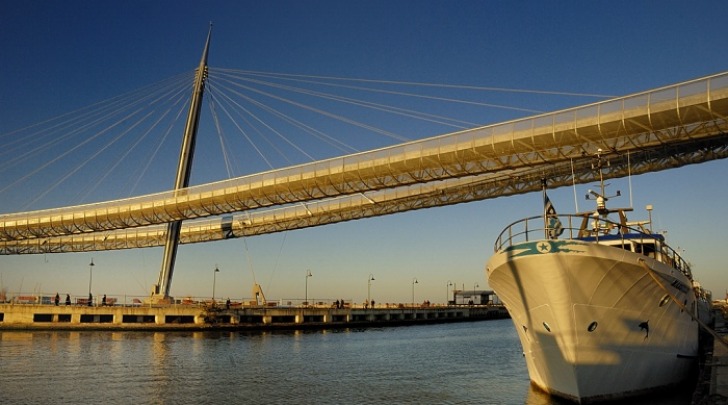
(713,385)
(200,317)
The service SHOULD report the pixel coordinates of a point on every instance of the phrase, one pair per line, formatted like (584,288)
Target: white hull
(578,306)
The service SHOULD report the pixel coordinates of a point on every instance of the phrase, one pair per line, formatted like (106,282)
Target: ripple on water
(462,363)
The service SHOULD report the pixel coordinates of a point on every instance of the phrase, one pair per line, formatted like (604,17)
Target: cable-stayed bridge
(650,131)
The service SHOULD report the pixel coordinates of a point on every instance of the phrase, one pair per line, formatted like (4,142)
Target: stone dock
(712,388)
(201,317)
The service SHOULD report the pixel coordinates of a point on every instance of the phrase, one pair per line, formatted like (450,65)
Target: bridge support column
(160,293)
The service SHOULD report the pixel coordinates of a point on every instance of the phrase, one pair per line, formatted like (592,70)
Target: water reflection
(469,363)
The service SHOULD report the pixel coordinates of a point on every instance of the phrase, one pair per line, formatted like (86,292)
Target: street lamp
(447,292)
(369,287)
(475,285)
(90,277)
(414,281)
(308,274)
(214,279)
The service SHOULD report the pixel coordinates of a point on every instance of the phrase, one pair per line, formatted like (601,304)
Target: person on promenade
(103,301)
(68,299)
(57,299)
(90,299)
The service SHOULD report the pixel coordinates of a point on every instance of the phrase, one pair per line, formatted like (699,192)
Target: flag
(551,219)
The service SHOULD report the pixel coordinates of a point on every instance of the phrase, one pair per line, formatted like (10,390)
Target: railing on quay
(44,298)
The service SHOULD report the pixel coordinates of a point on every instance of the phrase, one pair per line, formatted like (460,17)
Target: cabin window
(592,326)
(547,327)
(648,249)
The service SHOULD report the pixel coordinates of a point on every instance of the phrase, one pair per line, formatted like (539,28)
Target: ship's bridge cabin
(630,236)
(646,244)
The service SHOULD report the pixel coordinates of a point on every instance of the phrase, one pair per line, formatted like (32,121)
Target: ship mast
(160,291)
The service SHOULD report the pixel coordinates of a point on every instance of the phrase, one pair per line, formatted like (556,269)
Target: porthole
(592,326)
(665,299)
(548,328)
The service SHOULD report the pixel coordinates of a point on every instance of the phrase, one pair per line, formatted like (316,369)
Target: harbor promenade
(719,375)
(205,317)
(715,373)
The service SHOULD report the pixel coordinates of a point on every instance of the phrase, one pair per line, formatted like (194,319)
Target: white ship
(604,309)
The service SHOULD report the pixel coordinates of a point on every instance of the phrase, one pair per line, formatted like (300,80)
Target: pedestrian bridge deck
(685,122)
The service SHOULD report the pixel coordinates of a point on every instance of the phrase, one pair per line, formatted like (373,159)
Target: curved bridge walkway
(650,131)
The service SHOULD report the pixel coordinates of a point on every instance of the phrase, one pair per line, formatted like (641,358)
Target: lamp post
(90,277)
(308,274)
(447,292)
(475,285)
(214,279)
(414,281)
(369,287)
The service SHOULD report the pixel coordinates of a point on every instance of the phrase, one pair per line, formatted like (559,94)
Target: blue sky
(61,56)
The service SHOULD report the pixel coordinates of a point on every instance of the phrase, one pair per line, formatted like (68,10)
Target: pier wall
(19,316)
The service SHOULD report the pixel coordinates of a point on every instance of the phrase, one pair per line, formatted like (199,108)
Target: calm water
(466,363)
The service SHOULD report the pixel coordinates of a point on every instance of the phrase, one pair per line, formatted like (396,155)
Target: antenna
(600,197)
(629,179)
(573,185)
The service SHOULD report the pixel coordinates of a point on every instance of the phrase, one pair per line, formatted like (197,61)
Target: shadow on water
(680,395)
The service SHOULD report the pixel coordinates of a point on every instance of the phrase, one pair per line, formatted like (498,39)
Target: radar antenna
(600,197)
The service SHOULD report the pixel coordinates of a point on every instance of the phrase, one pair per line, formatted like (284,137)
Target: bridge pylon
(160,291)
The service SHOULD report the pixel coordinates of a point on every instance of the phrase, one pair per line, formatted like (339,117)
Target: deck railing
(591,229)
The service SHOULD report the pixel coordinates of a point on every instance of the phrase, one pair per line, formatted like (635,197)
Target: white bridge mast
(160,291)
